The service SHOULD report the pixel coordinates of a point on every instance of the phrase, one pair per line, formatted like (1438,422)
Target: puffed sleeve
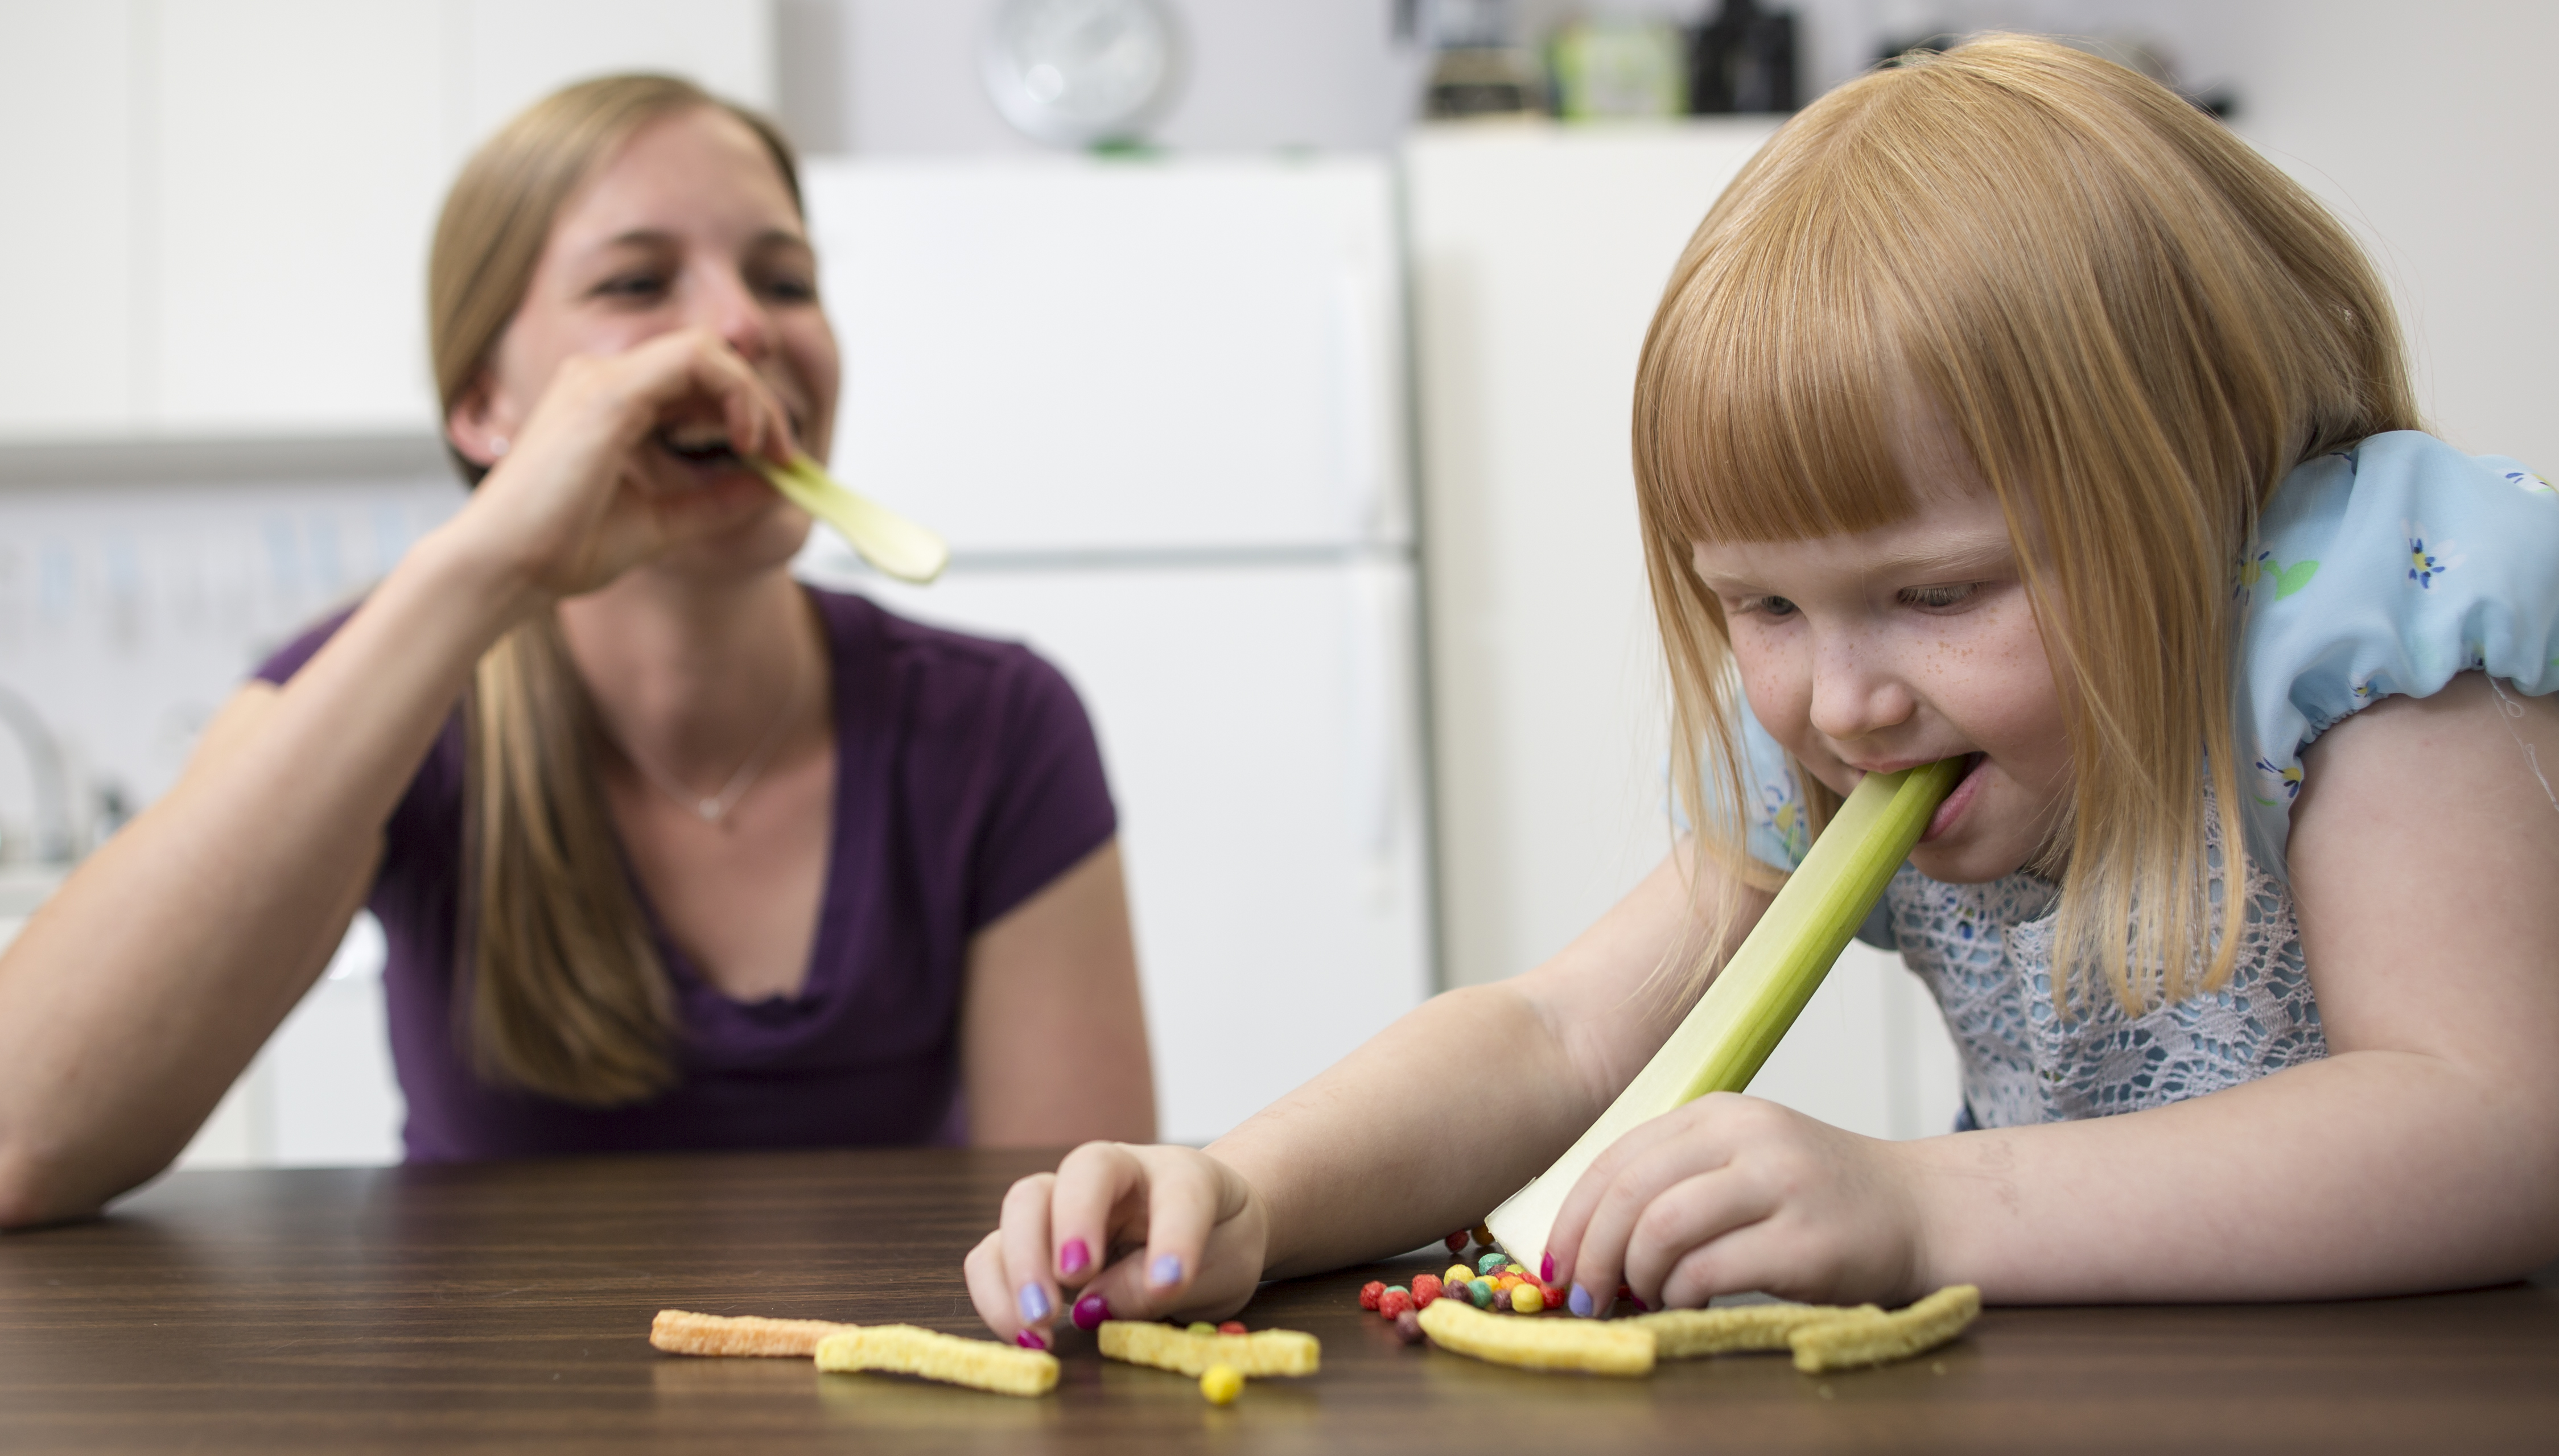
(2384,569)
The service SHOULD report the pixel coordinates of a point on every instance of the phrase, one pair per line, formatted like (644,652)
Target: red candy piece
(1457,1241)
(1370,1291)
(1394,1302)
(1426,1288)
(1232,1327)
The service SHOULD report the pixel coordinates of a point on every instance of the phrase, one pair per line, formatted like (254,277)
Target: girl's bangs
(1771,390)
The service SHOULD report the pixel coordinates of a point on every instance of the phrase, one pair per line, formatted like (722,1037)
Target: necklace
(716,807)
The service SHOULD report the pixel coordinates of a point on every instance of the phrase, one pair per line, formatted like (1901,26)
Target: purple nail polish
(1581,1304)
(1546,1268)
(1073,1257)
(1166,1269)
(1033,1302)
(1030,1340)
(1090,1312)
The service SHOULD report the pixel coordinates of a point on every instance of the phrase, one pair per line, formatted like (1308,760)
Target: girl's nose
(1855,693)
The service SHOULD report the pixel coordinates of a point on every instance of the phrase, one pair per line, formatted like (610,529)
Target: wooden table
(509,1305)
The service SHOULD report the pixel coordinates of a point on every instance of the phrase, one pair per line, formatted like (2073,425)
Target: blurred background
(1266,362)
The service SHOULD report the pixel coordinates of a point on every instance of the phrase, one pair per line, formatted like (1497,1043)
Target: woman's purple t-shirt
(967,778)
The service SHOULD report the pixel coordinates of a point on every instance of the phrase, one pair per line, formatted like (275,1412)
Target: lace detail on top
(1986,953)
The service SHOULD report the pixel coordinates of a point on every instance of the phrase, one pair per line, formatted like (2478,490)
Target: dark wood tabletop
(508,1305)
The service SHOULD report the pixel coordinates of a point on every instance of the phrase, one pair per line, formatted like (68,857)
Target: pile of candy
(1493,1283)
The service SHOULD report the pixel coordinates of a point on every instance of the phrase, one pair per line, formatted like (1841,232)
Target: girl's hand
(1148,1232)
(585,492)
(1732,1193)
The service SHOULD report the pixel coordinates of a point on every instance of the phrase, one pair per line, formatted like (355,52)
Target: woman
(672,851)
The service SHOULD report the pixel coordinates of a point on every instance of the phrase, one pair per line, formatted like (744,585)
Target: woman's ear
(474,426)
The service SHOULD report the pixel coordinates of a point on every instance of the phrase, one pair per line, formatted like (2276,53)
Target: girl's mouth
(1958,800)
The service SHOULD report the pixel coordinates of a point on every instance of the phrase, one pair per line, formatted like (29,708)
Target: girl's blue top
(2382,569)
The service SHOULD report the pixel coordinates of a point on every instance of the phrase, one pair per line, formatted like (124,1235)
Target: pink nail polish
(1073,1257)
(1546,1268)
(1090,1312)
(1030,1339)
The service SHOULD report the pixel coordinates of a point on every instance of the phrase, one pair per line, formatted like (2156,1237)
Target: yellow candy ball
(1221,1384)
(1526,1300)
(1457,1274)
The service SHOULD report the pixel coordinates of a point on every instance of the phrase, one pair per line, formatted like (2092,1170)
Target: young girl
(2007,408)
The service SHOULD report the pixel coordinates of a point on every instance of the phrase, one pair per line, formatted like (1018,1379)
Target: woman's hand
(585,490)
(1146,1232)
(1732,1193)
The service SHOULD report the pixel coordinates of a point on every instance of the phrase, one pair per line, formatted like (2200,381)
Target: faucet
(55,837)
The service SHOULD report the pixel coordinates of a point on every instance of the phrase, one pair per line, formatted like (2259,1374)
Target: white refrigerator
(1157,408)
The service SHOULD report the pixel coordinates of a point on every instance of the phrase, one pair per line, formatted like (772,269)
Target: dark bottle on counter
(1743,60)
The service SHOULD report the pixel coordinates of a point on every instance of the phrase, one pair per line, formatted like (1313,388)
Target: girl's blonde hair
(561,991)
(2136,325)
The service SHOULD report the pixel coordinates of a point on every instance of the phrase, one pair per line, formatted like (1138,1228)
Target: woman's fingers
(1184,1200)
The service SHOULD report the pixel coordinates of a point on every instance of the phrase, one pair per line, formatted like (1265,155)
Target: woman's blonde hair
(2136,325)
(561,991)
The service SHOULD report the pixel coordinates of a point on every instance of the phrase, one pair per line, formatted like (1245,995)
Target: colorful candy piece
(1502,1298)
(1484,1235)
(1457,1241)
(1491,1262)
(1526,1300)
(1221,1384)
(1456,1277)
(1202,1326)
(1480,1291)
(1426,1288)
(1394,1302)
(1232,1327)
(1408,1328)
(1370,1291)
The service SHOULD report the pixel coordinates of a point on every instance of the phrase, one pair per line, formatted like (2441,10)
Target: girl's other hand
(585,490)
(1123,1233)
(1732,1193)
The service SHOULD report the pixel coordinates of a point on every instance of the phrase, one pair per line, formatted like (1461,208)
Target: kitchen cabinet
(66,236)
(1538,255)
(224,205)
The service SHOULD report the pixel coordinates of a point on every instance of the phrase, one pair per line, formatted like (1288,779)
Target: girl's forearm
(1422,1130)
(2369,1173)
(135,996)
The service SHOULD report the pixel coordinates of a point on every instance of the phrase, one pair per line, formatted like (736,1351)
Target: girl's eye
(1777,608)
(1937,598)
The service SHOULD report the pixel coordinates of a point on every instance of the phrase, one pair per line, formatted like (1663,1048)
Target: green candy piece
(1202,1326)
(1492,1264)
(1481,1292)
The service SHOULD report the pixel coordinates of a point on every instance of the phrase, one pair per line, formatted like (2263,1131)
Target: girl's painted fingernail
(1090,1312)
(1637,1301)
(1546,1269)
(1031,1340)
(1033,1301)
(1074,1258)
(1581,1304)
(1166,1269)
